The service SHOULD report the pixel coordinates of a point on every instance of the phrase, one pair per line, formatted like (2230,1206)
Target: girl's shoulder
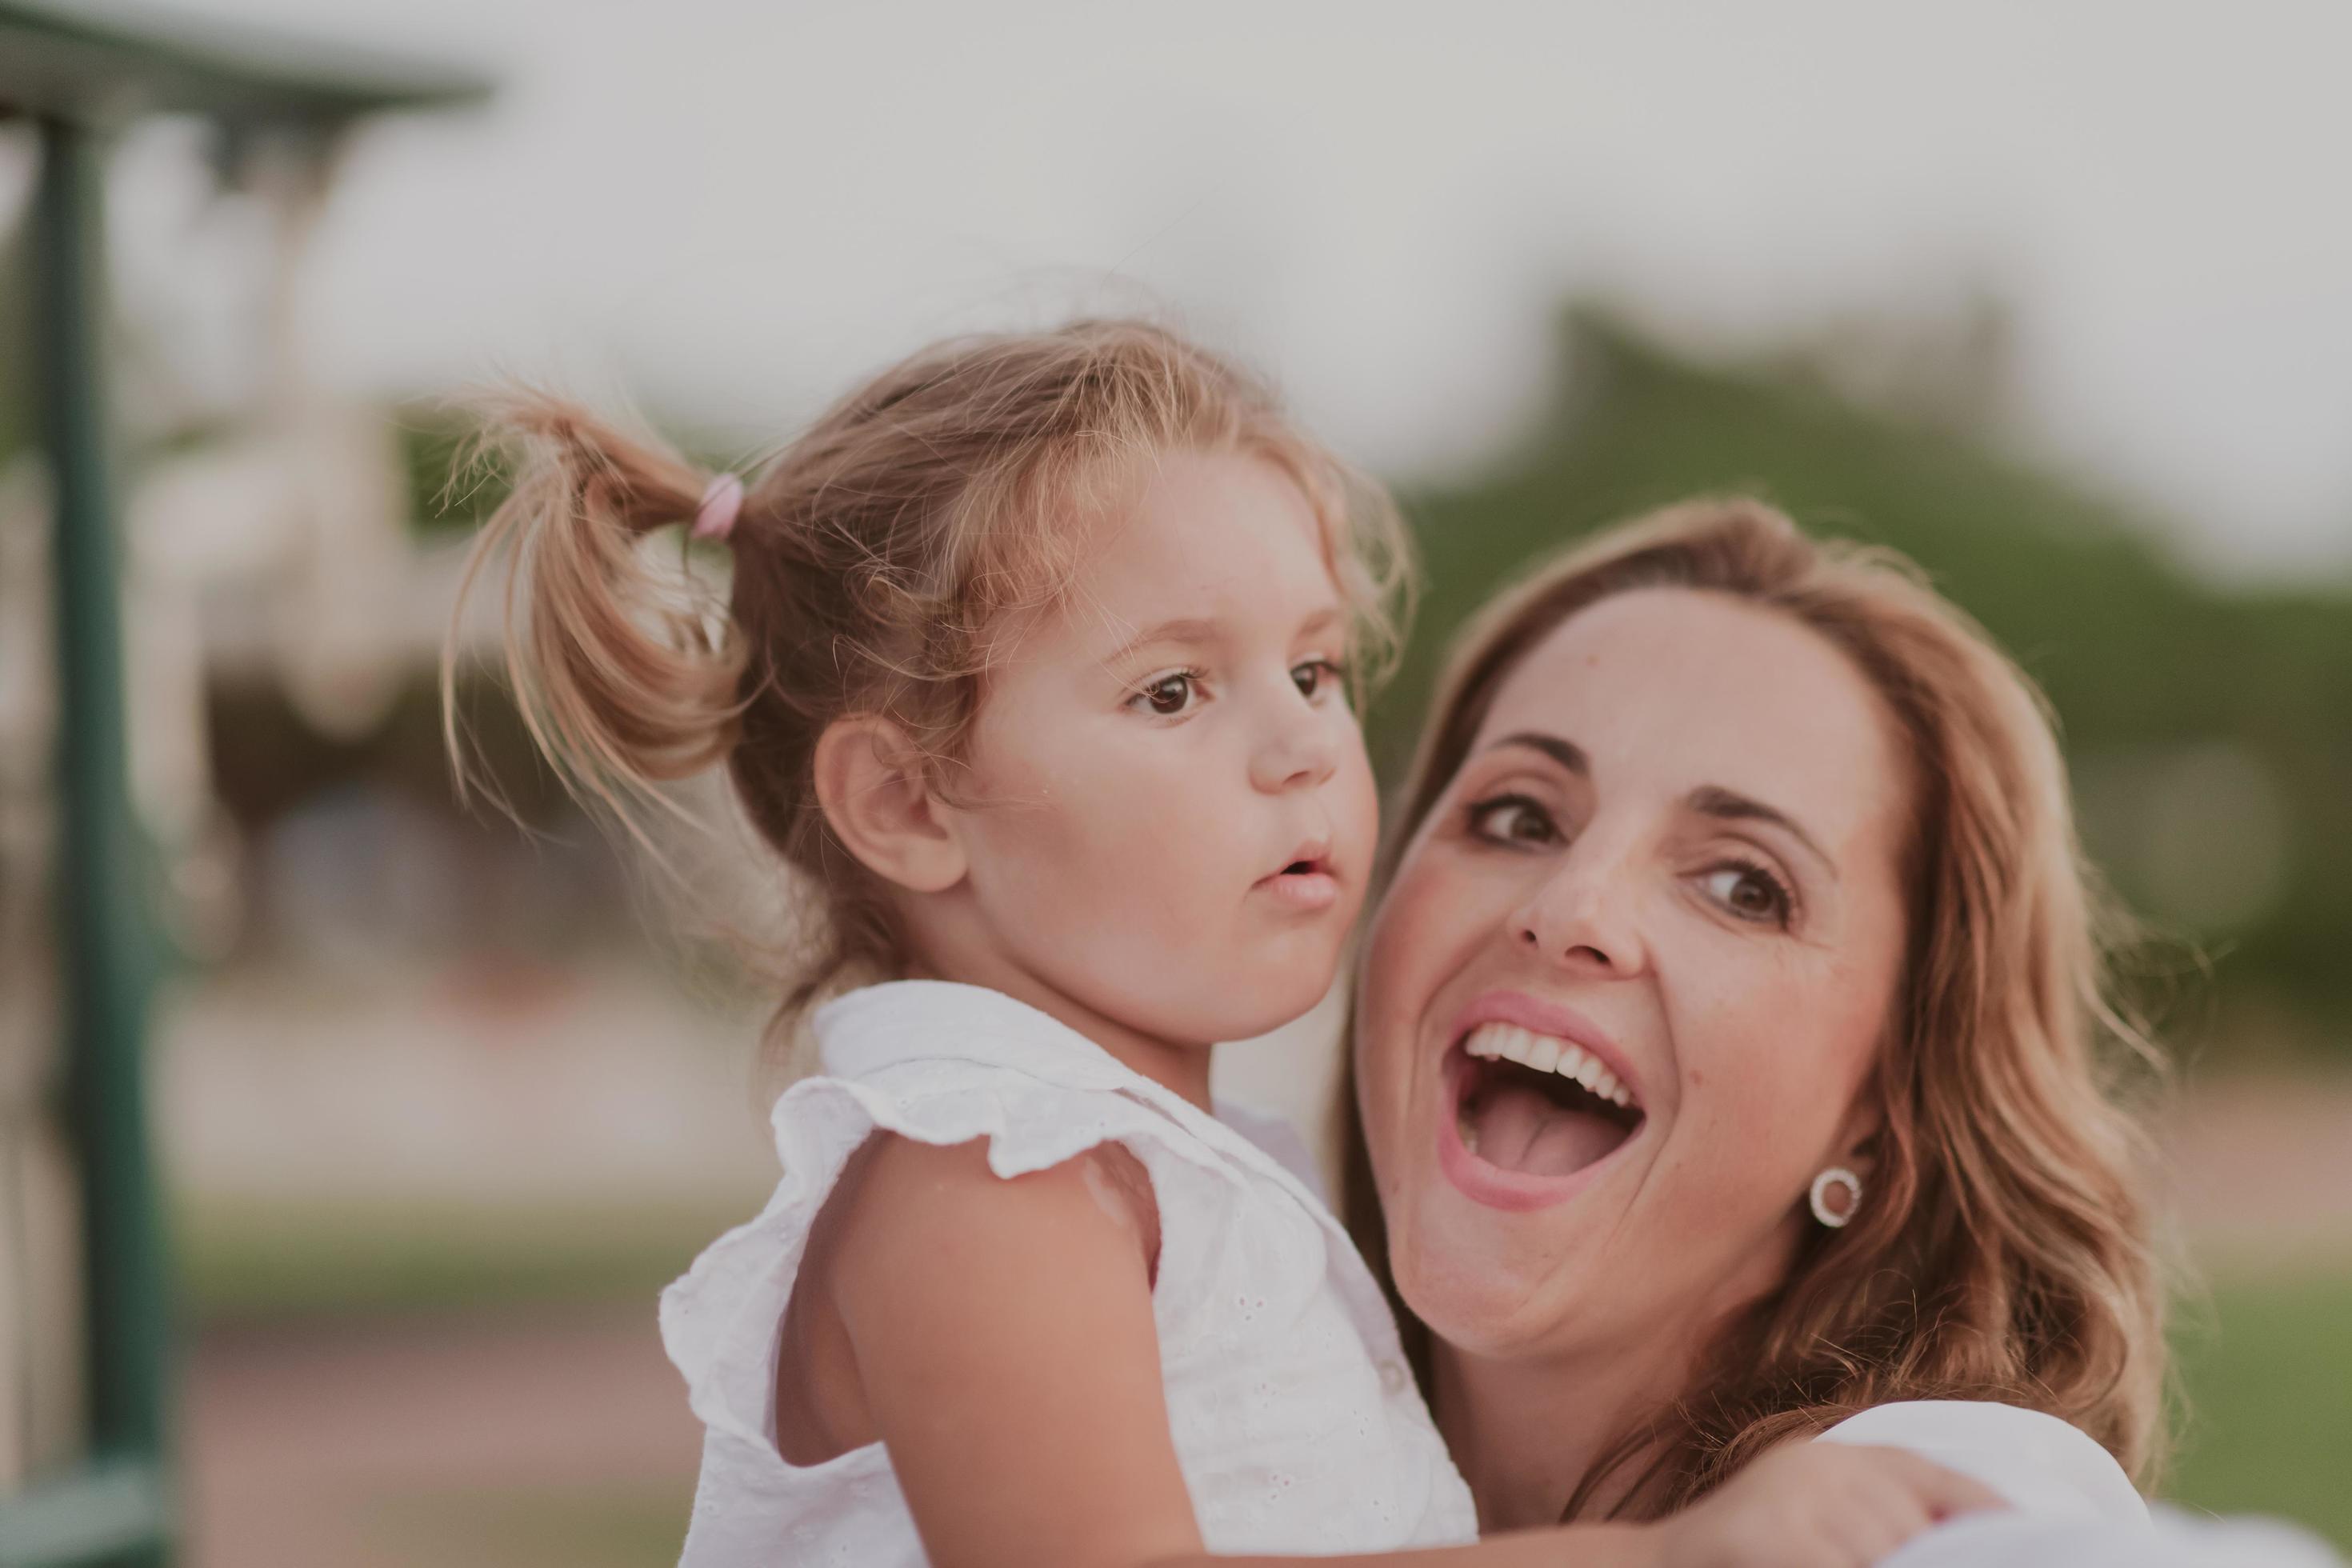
(943,1063)
(962,1089)
(905,1195)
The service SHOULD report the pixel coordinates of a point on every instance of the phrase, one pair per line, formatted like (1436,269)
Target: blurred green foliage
(2210,727)
(254,1263)
(452,489)
(2266,1372)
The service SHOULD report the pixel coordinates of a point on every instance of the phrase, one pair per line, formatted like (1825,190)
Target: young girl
(1038,670)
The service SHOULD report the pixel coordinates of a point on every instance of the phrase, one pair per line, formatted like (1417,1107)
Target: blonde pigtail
(621,672)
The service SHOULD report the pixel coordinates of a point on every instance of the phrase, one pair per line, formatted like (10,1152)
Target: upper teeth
(1546,1054)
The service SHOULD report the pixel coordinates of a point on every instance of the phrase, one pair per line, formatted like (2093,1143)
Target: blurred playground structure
(114,626)
(431,1115)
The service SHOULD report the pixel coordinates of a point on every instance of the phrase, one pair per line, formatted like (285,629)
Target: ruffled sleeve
(719,1321)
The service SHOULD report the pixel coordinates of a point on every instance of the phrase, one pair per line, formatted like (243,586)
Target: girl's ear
(876,794)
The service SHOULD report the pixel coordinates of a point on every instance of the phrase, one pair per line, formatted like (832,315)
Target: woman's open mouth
(1532,1115)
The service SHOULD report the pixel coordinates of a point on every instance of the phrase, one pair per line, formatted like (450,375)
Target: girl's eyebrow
(1197,630)
(1322,620)
(1193,630)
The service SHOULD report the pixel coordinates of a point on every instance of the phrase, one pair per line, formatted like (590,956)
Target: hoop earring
(1840,1176)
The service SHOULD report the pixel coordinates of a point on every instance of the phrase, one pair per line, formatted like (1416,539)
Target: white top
(1296,1420)
(2070,1505)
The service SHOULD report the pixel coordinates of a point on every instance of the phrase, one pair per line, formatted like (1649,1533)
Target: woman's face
(1666,879)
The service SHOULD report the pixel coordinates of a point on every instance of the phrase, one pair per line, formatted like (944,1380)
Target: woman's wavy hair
(2003,1250)
(875,560)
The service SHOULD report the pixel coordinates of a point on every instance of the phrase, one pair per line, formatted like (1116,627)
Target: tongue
(1520,1129)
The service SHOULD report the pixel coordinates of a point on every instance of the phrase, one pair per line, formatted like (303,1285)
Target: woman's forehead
(1675,690)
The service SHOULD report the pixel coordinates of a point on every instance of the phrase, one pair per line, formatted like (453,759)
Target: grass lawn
(244,1263)
(521,1528)
(2266,1364)
(2267,1368)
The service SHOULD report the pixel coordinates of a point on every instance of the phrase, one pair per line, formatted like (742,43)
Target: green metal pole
(108,946)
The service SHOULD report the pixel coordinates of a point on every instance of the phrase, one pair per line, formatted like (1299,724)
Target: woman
(1733,1054)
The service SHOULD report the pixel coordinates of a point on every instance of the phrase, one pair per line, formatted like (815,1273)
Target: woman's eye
(1316,677)
(1513,820)
(1168,695)
(1750,892)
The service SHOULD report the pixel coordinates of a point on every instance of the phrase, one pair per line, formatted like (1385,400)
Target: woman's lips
(1491,1185)
(1550,1019)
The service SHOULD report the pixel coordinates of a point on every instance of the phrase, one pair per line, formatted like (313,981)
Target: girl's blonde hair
(872,559)
(2003,1248)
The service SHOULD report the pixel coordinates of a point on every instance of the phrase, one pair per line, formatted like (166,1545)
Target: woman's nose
(1582,916)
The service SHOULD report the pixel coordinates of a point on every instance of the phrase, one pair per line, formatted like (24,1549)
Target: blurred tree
(2211,729)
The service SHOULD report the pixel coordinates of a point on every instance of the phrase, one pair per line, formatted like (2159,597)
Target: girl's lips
(1484,1182)
(1316,889)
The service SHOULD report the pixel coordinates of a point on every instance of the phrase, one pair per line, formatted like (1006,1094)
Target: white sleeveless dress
(1295,1418)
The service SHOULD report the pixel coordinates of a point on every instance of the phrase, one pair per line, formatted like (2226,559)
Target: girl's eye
(1750,892)
(1513,820)
(1316,677)
(1168,695)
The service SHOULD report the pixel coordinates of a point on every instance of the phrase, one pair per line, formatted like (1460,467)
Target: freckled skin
(1750,1041)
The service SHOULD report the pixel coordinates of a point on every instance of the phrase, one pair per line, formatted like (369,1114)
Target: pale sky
(735,209)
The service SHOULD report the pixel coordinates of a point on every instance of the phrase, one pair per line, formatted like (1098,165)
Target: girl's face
(1670,865)
(1173,817)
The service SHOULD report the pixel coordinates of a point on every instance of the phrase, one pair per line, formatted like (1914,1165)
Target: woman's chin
(1477,1283)
(1489,1257)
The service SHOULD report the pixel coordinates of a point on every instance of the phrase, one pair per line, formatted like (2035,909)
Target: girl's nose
(1299,753)
(1582,917)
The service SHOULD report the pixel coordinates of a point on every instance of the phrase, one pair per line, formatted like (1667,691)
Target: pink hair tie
(723,502)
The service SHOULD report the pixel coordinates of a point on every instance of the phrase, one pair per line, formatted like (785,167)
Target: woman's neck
(1525,1434)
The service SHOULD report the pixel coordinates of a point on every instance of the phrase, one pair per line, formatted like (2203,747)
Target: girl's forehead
(1203,533)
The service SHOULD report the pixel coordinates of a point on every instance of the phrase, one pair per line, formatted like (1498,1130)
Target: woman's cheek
(1764,1075)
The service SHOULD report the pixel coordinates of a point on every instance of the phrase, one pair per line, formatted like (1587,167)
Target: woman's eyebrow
(1729,805)
(1567,754)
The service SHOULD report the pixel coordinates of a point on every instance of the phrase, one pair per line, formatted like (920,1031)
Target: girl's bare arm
(1008,1356)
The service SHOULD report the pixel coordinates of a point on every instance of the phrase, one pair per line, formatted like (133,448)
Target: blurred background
(2057,299)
